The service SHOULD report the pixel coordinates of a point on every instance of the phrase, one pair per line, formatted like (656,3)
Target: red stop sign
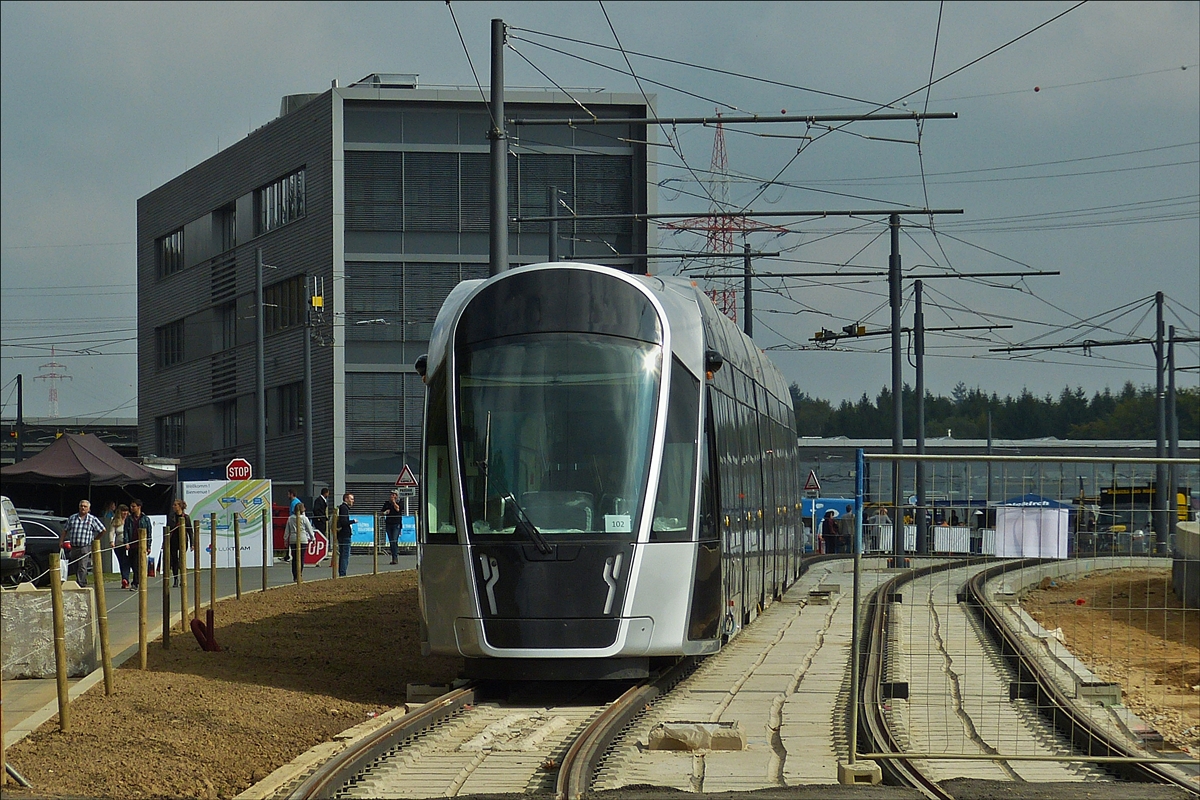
(237,470)
(318,546)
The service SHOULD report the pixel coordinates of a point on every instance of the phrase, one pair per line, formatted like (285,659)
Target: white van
(12,541)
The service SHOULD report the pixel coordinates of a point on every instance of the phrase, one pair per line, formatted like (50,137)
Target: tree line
(1127,414)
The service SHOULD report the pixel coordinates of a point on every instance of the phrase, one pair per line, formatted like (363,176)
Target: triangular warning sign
(407,479)
(810,485)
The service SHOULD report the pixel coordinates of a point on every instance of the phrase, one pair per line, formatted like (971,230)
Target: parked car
(43,536)
(12,544)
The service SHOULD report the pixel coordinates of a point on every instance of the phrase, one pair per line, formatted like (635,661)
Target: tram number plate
(616,523)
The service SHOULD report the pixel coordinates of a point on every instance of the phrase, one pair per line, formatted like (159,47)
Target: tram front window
(555,433)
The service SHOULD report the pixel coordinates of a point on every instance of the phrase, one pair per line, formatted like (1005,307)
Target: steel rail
(894,762)
(335,772)
(585,753)
(1117,754)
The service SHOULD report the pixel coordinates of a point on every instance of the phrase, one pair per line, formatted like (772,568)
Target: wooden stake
(237,552)
(142,597)
(60,644)
(102,614)
(164,567)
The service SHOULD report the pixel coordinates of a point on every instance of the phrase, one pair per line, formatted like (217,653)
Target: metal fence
(1032,623)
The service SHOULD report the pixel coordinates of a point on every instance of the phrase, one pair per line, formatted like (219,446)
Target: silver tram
(609,475)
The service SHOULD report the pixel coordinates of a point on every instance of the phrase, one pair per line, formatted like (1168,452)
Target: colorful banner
(226,499)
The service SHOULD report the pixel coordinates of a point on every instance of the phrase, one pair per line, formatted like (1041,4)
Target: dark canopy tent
(83,459)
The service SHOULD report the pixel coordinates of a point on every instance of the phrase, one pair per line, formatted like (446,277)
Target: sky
(1076,150)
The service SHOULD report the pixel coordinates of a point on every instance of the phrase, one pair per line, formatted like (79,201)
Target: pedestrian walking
(345,533)
(298,525)
(392,519)
(116,538)
(136,521)
(293,501)
(82,529)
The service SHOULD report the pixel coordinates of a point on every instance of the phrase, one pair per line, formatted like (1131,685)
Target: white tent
(1032,527)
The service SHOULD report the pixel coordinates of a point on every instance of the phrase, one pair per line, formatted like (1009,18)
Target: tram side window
(673,502)
(439,509)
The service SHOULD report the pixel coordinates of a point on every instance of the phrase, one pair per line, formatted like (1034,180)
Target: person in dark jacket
(829,532)
(392,517)
(178,536)
(345,532)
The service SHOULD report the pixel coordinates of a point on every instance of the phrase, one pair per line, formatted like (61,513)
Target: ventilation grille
(224,375)
(224,278)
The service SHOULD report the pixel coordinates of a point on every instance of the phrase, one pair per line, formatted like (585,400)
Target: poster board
(246,500)
(1031,532)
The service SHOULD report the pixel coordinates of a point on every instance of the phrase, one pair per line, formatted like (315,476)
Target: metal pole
(498,252)
(854,620)
(919,348)
(1161,489)
(552,200)
(237,554)
(897,389)
(212,572)
(1172,439)
(748,324)
(260,377)
(308,394)
(20,454)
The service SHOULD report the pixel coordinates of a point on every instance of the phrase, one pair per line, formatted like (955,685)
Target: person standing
(829,533)
(136,521)
(299,526)
(293,501)
(392,517)
(82,529)
(345,533)
(320,517)
(178,536)
(847,530)
(116,535)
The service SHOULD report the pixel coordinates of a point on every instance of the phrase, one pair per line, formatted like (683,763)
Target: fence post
(183,575)
(268,534)
(165,567)
(196,564)
(375,546)
(102,615)
(60,643)
(334,549)
(854,619)
(212,567)
(237,553)
(143,594)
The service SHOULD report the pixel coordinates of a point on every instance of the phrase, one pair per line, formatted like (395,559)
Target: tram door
(730,513)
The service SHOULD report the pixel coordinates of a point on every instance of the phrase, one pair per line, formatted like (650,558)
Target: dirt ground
(1132,630)
(300,664)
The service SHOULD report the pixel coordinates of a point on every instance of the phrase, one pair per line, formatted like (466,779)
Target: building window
(225,228)
(170,253)
(291,407)
(169,342)
(281,202)
(226,434)
(170,435)
(284,304)
(228,320)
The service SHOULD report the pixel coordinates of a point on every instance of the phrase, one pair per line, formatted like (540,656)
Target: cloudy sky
(1076,150)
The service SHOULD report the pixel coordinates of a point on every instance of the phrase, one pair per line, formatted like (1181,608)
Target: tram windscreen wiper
(527,529)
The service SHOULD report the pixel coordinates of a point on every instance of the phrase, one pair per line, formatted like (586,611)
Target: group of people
(122,524)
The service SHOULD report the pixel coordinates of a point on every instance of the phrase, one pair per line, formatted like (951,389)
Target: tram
(609,476)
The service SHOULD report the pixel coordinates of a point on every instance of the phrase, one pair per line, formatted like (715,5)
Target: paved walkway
(29,703)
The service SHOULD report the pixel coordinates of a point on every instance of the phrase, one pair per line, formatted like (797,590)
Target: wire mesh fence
(1047,625)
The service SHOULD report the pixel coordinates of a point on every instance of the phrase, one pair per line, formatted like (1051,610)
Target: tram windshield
(555,433)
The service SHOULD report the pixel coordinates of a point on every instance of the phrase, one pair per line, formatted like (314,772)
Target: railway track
(940,659)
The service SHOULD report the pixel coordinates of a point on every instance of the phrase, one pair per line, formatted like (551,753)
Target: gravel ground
(300,664)
(1130,628)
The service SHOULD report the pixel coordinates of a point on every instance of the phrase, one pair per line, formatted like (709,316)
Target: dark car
(43,536)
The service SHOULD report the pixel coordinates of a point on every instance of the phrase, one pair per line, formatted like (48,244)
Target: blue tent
(1035,501)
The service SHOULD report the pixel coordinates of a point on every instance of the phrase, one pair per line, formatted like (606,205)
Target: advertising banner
(408,530)
(244,499)
(364,531)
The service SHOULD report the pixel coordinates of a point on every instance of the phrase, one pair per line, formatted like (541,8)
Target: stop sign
(318,546)
(237,470)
